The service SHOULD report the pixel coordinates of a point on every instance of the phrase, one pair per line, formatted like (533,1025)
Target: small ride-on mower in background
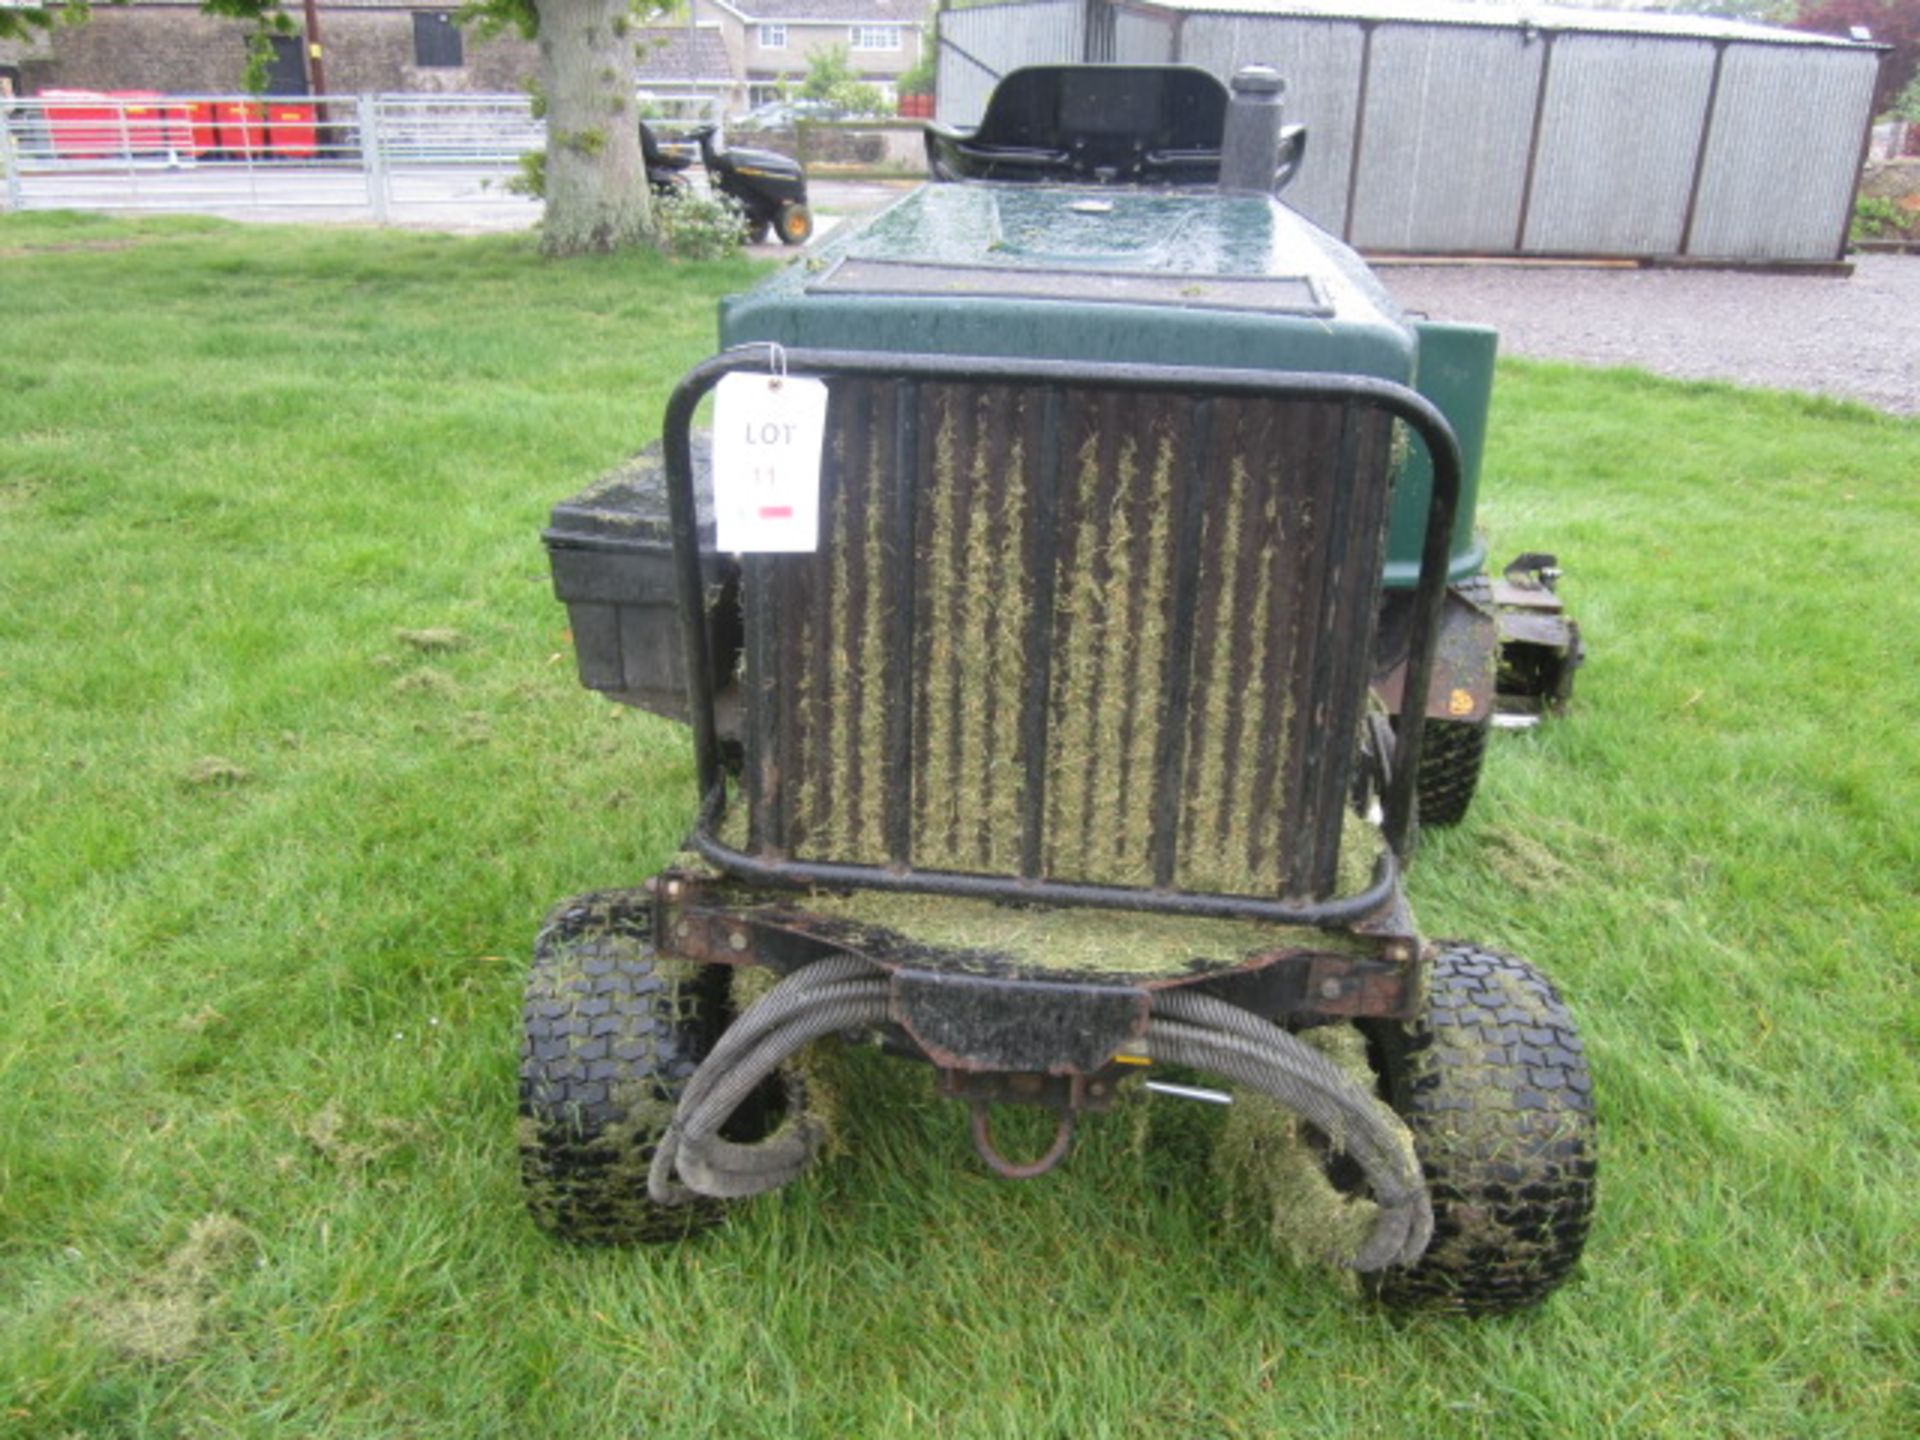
(1063,604)
(667,161)
(770,188)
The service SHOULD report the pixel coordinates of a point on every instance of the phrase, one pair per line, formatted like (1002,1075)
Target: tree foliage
(1906,105)
(832,78)
(496,17)
(1891,22)
(19,21)
(1760,12)
(919,77)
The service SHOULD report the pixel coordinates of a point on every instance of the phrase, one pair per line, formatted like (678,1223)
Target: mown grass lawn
(294,761)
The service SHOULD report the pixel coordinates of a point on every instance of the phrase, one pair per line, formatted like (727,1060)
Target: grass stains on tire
(611,1035)
(1494,1085)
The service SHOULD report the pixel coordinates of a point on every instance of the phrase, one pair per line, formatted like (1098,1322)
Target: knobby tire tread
(608,1041)
(1493,1082)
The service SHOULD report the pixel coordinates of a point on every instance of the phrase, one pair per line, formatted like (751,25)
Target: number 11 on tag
(768,435)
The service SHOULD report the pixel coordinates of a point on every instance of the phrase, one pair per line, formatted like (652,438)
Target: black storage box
(611,550)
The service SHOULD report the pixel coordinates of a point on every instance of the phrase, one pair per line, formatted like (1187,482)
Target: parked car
(784,114)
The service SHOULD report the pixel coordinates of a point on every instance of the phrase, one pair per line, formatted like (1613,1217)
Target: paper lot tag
(768,436)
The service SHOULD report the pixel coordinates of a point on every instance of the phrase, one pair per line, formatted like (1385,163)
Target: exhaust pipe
(1251,148)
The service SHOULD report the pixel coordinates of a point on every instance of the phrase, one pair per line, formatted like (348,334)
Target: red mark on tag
(776,512)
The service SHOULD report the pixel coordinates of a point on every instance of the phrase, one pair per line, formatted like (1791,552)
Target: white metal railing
(384,157)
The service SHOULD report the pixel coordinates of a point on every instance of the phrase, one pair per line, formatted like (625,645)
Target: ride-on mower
(1064,604)
(667,161)
(769,188)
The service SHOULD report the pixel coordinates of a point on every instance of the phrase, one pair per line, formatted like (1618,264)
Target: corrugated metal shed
(1321,59)
(1514,129)
(1509,17)
(1758,150)
(1616,145)
(1445,164)
(1144,38)
(979,45)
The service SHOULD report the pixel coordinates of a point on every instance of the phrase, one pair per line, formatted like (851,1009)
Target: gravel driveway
(1858,337)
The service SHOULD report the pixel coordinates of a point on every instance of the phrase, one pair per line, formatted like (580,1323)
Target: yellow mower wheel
(794,224)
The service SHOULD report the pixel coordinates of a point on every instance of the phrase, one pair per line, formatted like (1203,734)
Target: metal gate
(388,158)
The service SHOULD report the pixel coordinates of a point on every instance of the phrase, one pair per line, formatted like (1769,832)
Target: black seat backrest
(1061,107)
(1090,122)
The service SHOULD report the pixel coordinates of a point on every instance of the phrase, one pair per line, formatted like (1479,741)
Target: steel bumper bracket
(971,1022)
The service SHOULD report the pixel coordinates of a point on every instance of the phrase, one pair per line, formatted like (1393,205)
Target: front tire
(611,1035)
(1494,1085)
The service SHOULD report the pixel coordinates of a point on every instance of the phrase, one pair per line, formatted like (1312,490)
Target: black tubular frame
(1419,414)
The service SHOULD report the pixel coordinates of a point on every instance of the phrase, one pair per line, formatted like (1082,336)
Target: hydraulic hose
(1211,1035)
(846,992)
(840,993)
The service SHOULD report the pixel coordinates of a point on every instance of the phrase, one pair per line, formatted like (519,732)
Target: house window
(436,41)
(876,37)
(773,37)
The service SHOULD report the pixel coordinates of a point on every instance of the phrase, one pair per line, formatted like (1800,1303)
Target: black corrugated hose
(843,992)
(847,993)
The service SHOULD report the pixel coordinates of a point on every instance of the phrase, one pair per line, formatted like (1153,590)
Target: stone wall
(177,50)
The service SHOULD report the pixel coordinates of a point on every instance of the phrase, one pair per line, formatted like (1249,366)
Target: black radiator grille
(1075,634)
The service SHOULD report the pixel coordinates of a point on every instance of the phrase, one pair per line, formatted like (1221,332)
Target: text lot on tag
(769,432)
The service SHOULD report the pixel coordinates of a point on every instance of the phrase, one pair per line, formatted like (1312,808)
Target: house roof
(842,12)
(663,54)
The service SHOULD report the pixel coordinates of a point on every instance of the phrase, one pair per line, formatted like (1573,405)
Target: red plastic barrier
(243,128)
(290,132)
(81,124)
(154,125)
(203,125)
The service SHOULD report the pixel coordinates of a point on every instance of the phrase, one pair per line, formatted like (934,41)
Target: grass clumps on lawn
(159,1319)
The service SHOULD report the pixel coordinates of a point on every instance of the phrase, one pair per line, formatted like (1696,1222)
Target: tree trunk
(596,182)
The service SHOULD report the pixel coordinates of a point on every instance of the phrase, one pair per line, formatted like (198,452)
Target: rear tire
(794,224)
(1451,755)
(1493,1083)
(611,1035)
